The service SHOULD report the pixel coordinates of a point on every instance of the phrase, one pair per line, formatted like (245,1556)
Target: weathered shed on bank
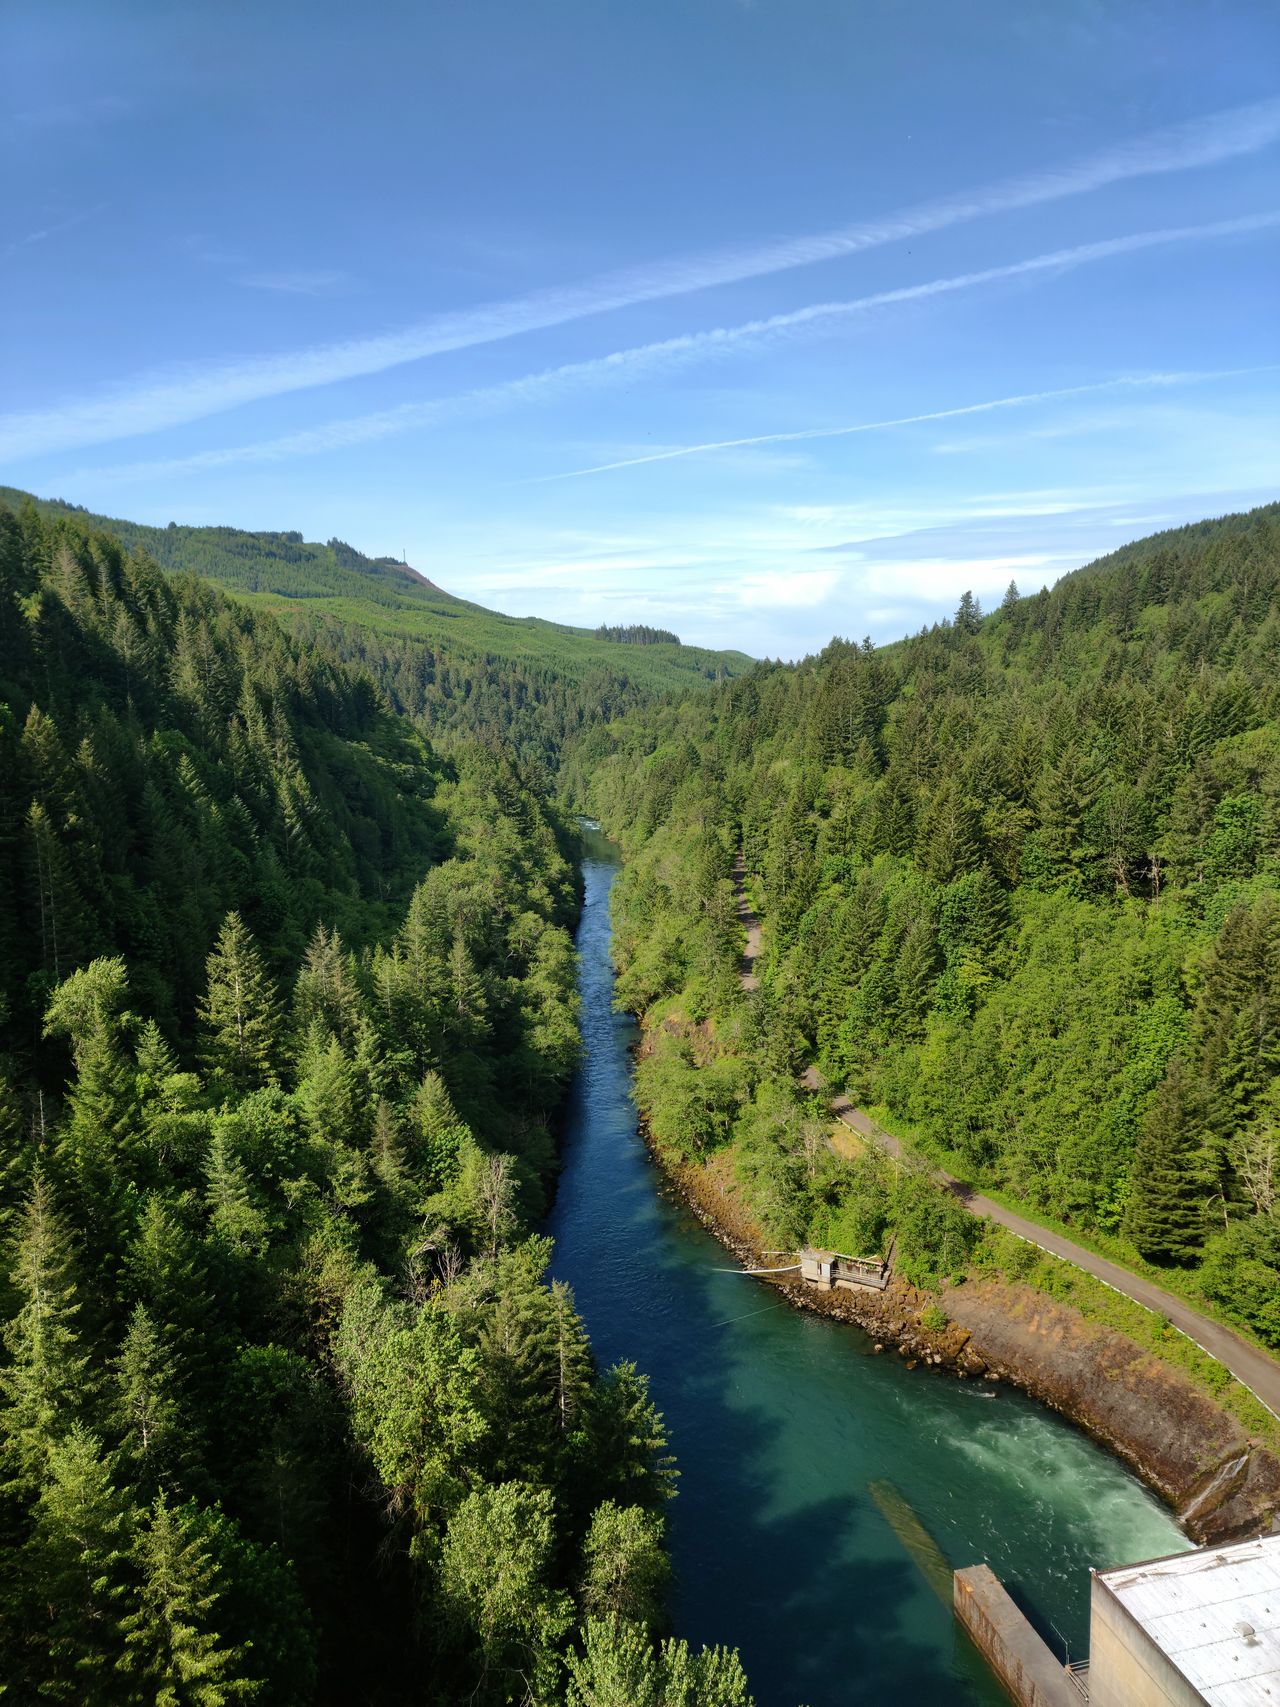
(829,1269)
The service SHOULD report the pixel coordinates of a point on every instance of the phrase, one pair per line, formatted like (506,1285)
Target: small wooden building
(829,1269)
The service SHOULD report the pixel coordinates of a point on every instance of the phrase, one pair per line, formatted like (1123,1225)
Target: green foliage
(462,670)
(241,1011)
(627,1566)
(620,1667)
(46,1382)
(496,1583)
(688,1105)
(287,1006)
(75,1571)
(172,1650)
(147,1406)
(1241,1273)
(630,1440)
(1167,1205)
(1019,882)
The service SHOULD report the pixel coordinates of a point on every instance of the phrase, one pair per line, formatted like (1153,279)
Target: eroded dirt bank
(1222,1485)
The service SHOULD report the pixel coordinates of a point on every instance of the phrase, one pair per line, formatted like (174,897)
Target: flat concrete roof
(1216,1614)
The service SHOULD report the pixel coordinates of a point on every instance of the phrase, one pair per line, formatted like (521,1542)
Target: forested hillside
(453,666)
(288,1412)
(1020,882)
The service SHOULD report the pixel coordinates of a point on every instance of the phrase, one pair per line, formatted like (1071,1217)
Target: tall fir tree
(1166,1214)
(76,1571)
(173,1650)
(46,1384)
(240,1015)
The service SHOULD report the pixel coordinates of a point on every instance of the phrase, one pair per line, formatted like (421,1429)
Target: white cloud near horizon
(692,347)
(788,587)
(178,395)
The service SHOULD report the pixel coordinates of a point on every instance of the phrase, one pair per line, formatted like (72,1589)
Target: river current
(825,1492)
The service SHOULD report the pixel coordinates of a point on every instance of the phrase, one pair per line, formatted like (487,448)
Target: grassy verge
(1010,1258)
(1177,1281)
(1002,1255)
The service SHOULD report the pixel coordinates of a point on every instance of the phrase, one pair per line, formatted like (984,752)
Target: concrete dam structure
(1197,1629)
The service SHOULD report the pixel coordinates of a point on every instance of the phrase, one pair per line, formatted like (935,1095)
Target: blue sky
(762,319)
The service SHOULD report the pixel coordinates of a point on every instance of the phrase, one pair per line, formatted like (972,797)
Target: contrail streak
(1125,381)
(192,392)
(667,354)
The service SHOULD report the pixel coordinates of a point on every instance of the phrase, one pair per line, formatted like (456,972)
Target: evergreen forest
(455,668)
(289,1411)
(1019,878)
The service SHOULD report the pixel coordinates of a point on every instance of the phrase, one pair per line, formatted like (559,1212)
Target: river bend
(824,1490)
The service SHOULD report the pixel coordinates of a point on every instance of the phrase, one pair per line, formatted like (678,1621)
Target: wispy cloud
(53,229)
(74,115)
(673,353)
(297,283)
(189,393)
(757,574)
(1021,400)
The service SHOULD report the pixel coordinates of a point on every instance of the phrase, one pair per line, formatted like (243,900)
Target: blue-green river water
(802,1453)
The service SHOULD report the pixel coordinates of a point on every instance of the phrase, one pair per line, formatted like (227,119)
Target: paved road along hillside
(1250,1366)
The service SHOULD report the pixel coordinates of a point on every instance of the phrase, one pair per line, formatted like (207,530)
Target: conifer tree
(629,1439)
(233,1216)
(172,1647)
(894,813)
(440,1132)
(46,1384)
(1237,1020)
(57,909)
(1067,791)
(146,1392)
(1166,1216)
(328,1095)
(168,1273)
(49,770)
(156,1061)
(948,842)
(570,1356)
(240,1013)
(75,1571)
(15,1152)
(99,1145)
(915,969)
(386,1148)
(326,989)
(968,618)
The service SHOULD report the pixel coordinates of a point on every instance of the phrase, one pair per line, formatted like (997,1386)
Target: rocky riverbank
(1221,1484)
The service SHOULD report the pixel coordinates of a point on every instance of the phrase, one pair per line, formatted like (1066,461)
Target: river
(809,1465)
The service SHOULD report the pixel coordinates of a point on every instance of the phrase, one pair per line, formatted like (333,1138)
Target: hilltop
(455,665)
